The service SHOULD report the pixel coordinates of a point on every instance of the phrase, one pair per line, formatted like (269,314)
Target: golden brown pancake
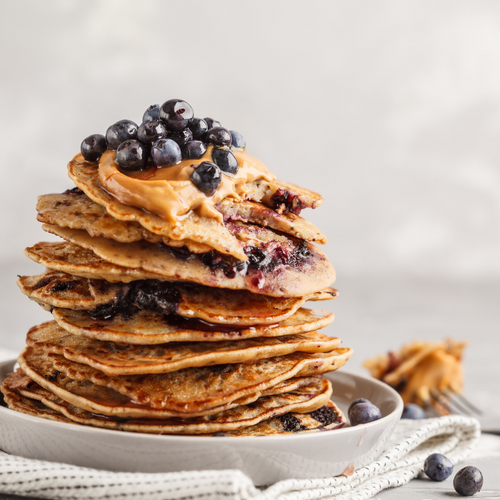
(188,391)
(118,359)
(305,269)
(215,305)
(149,327)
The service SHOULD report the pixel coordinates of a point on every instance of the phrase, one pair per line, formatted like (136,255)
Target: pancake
(302,270)
(35,400)
(150,327)
(188,391)
(283,197)
(215,305)
(118,359)
(74,209)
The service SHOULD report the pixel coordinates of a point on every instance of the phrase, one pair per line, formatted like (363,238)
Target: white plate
(265,459)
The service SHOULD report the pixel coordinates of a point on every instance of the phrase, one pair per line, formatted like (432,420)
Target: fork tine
(465,403)
(448,402)
(439,403)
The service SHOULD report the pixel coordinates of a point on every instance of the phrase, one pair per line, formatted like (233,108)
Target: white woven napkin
(402,461)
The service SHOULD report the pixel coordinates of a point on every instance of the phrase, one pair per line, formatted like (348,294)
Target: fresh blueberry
(182,137)
(119,132)
(152,113)
(468,481)
(357,401)
(177,114)
(198,126)
(211,123)
(238,140)
(225,159)
(131,155)
(362,413)
(193,150)
(151,131)
(165,153)
(93,147)
(218,136)
(207,177)
(438,467)
(413,412)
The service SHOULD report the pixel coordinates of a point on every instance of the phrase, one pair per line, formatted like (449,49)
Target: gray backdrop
(390,109)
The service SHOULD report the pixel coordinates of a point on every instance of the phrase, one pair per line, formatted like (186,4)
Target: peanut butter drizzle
(169,191)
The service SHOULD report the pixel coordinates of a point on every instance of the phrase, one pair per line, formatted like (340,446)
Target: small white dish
(265,459)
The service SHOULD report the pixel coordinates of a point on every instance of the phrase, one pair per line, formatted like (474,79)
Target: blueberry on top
(165,153)
(177,114)
(218,136)
(211,123)
(198,127)
(193,150)
(119,132)
(131,155)
(207,177)
(93,147)
(181,137)
(238,140)
(152,113)
(151,131)
(225,159)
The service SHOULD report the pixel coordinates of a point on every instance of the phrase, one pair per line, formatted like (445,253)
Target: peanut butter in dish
(420,369)
(169,191)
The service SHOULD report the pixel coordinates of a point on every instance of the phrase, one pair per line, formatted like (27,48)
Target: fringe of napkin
(412,442)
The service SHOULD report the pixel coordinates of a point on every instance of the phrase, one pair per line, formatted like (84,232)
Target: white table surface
(373,315)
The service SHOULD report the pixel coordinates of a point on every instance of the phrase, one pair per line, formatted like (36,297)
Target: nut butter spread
(169,191)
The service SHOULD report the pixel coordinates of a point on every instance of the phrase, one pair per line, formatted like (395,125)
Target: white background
(390,109)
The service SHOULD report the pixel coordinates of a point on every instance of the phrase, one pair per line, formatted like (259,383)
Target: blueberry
(93,147)
(131,155)
(218,136)
(193,150)
(225,159)
(151,131)
(119,132)
(207,177)
(357,401)
(152,113)
(362,413)
(413,412)
(211,123)
(438,467)
(177,114)
(165,153)
(198,126)
(468,481)
(182,137)
(238,140)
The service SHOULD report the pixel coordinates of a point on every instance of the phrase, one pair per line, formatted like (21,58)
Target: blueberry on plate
(152,113)
(211,123)
(468,481)
(357,401)
(177,114)
(207,177)
(119,132)
(165,153)
(413,412)
(218,136)
(131,155)
(93,147)
(198,127)
(438,467)
(182,137)
(363,413)
(238,140)
(193,150)
(151,131)
(225,160)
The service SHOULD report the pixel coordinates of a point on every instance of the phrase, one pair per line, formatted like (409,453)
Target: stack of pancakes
(189,328)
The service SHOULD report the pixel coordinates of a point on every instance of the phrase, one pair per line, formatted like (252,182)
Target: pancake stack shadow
(174,333)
